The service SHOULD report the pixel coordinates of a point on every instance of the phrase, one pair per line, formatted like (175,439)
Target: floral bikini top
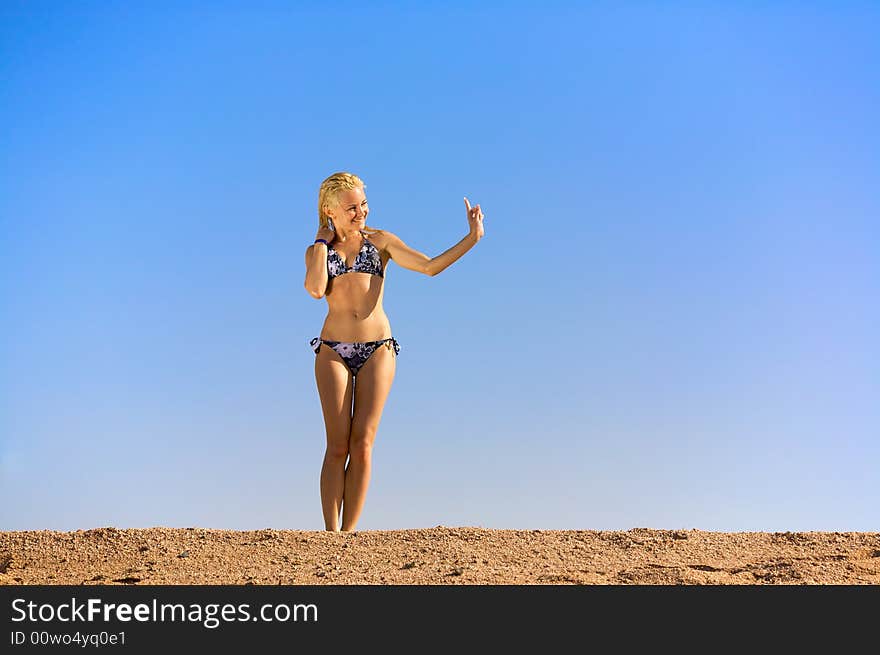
(368,260)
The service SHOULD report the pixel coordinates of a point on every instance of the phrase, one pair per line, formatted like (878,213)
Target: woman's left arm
(414,260)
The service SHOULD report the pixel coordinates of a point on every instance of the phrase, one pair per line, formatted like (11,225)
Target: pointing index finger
(467,204)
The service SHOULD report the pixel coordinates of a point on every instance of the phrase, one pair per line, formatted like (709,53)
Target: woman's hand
(475,219)
(325,233)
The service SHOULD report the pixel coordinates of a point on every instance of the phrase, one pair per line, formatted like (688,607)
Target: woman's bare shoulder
(379,237)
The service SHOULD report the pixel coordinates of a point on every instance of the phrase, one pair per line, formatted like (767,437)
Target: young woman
(355,368)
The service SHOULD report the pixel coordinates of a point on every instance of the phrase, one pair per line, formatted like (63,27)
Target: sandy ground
(438,556)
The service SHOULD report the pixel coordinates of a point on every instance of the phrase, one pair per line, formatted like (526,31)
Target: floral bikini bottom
(355,353)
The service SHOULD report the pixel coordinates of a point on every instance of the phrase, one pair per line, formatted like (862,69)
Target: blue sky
(671,322)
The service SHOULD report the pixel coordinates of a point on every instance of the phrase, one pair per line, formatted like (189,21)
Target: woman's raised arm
(414,260)
(316,263)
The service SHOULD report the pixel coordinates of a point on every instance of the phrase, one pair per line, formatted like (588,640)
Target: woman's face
(351,210)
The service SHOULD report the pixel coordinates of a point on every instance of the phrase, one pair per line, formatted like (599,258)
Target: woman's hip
(353,330)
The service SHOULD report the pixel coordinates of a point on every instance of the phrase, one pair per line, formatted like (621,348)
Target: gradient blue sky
(672,321)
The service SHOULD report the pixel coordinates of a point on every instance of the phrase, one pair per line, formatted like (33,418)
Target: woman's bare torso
(354,299)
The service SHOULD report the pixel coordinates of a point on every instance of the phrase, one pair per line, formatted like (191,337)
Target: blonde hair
(329,191)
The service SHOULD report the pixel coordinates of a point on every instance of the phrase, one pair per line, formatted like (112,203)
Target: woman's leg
(371,389)
(335,387)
